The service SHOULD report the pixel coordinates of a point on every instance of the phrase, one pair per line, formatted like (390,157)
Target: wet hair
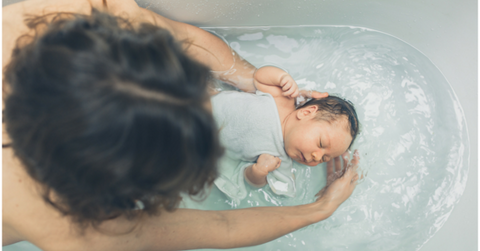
(332,108)
(107,115)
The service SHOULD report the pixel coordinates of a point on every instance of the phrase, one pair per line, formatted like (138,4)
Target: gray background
(444,30)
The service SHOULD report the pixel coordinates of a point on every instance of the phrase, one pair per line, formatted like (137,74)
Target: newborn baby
(263,132)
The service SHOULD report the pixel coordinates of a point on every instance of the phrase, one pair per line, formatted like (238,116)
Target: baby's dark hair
(332,108)
(106,114)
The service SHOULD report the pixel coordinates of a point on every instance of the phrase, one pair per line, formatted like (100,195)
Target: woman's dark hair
(106,114)
(332,108)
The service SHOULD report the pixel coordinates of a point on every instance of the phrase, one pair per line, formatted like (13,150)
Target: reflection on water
(413,141)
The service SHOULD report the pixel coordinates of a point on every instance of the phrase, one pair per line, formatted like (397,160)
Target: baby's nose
(316,156)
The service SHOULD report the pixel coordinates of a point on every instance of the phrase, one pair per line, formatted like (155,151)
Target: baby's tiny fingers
(288,92)
(295,94)
(287,86)
(278,164)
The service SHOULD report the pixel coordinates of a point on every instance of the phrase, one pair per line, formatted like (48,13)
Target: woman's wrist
(319,210)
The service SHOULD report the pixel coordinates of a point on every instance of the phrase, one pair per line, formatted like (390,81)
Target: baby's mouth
(303,158)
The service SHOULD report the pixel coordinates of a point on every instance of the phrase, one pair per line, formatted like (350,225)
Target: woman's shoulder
(14,15)
(27,217)
(16,198)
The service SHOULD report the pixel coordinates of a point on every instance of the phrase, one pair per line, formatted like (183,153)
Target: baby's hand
(289,86)
(256,174)
(266,163)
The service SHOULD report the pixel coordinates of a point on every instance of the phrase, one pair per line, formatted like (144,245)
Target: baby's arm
(276,82)
(256,174)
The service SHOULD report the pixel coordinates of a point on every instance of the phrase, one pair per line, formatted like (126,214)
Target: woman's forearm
(255,226)
(212,51)
(225,63)
(231,228)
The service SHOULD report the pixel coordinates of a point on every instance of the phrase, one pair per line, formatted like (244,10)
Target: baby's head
(321,130)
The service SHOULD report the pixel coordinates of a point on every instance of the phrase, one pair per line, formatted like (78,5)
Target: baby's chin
(308,164)
(311,163)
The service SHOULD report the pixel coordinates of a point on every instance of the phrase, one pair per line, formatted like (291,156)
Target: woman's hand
(304,95)
(313,94)
(341,179)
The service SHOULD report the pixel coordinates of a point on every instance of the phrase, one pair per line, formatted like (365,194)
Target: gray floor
(445,30)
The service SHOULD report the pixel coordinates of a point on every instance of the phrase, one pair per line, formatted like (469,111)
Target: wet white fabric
(249,126)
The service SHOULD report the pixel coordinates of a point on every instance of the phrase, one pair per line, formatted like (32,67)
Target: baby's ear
(307,112)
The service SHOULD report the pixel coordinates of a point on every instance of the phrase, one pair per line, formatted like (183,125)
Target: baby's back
(248,124)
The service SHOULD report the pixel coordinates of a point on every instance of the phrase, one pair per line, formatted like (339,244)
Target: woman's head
(104,114)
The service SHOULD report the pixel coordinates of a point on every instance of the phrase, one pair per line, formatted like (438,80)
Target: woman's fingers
(329,168)
(341,178)
(356,157)
(353,165)
(313,94)
(355,177)
(338,165)
(346,158)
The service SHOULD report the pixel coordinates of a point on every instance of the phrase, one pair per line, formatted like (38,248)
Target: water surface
(413,140)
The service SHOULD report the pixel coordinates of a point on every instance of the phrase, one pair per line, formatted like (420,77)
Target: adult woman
(108,121)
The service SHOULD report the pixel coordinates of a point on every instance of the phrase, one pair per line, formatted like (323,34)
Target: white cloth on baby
(249,125)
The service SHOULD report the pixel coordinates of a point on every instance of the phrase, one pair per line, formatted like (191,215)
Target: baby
(265,131)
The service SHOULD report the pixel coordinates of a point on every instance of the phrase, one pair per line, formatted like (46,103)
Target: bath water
(413,141)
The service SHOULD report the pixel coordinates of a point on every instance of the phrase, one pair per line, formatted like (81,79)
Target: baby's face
(314,142)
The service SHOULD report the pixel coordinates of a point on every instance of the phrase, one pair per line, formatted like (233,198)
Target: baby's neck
(286,109)
(287,123)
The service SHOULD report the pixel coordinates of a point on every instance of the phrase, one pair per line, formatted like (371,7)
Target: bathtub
(444,30)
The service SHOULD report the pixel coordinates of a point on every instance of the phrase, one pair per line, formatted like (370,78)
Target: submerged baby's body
(266,131)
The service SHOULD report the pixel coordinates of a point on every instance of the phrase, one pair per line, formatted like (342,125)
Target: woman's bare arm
(188,229)
(253,226)
(246,227)
(210,50)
